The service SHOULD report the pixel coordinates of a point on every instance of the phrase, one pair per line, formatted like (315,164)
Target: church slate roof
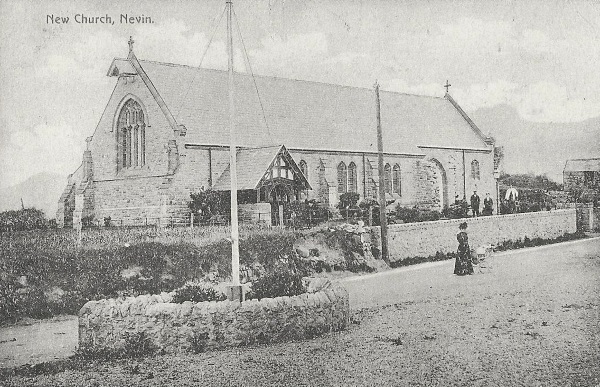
(306,115)
(579,165)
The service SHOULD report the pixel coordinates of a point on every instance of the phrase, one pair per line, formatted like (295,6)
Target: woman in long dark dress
(463,263)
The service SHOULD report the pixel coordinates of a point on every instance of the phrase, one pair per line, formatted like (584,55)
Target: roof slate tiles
(578,165)
(305,115)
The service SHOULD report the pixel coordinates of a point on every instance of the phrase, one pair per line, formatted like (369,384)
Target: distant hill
(538,147)
(41,191)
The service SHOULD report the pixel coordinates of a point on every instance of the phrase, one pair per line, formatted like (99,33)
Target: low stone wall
(172,327)
(587,216)
(426,238)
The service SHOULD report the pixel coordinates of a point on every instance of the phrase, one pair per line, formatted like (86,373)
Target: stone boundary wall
(191,326)
(587,216)
(426,238)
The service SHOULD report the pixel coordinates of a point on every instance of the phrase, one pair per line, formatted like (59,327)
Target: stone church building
(164,134)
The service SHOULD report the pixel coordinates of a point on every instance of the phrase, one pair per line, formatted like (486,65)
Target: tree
(498,156)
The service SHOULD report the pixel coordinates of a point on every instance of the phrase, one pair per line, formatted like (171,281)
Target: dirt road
(38,341)
(533,320)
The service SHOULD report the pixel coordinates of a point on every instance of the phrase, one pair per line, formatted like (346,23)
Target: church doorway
(267,178)
(440,185)
(280,197)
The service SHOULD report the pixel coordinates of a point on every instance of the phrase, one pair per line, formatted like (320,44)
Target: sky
(538,58)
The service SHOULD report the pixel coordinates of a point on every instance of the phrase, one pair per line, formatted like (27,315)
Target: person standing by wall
(488,205)
(475,201)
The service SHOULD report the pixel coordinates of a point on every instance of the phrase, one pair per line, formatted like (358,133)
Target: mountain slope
(538,147)
(41,191)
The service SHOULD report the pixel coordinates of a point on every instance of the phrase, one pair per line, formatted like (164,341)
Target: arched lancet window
(131,136)
(396,180)
(303,168)
(352,179)
(475,170)
(387,176)
(371,187)
(342,178)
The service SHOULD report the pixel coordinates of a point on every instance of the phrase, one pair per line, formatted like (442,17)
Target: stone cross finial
(130,42)
(447,86)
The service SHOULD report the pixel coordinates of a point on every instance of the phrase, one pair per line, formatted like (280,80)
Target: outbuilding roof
(252,166)
(578,165)
(307,115)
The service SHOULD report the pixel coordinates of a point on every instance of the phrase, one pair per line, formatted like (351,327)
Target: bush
(306,213)
(278,283)
(457,210)
(24,219)
(411,215)
(207,203)
(137,344)
(372,206)
(348,200)
(197,292)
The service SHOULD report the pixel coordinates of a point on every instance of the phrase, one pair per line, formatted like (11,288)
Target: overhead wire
(215,26)
(247,61)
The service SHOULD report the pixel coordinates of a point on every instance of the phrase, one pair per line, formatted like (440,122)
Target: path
(41,341)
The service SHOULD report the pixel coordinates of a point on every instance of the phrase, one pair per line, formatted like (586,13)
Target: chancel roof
(307,115)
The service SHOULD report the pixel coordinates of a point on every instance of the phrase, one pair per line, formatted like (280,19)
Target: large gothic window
(387,176)
(352,178)
(131,136)
(475,170)
(342,178)
(396,180)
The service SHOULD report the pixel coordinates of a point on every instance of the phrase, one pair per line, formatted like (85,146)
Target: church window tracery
(396,180)
(475,170)
(131,141)
(387,176)
(342,178)
(352,178)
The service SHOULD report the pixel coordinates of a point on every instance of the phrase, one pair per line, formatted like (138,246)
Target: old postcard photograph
(299,193)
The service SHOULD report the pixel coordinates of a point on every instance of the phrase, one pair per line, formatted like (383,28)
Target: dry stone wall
(191,326)
(426,238)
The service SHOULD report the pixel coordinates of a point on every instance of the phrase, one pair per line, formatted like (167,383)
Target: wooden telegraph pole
(382,214)
(236,288)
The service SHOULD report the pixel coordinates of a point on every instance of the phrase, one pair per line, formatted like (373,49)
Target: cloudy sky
(539,59)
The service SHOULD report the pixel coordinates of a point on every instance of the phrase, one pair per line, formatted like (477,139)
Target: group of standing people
(488,204)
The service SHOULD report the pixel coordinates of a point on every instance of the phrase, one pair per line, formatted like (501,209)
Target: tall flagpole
(235,248)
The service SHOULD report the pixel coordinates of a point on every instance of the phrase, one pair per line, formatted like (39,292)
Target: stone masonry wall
(426,238)
(209,325)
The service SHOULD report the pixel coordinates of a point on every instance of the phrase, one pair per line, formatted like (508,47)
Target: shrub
(458,210)
(411,215)
(207,203)
(348,200)
(138,345)
(24,219)
(87,221)
(278,283)
(306,213)
(197,292)
(372,206)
